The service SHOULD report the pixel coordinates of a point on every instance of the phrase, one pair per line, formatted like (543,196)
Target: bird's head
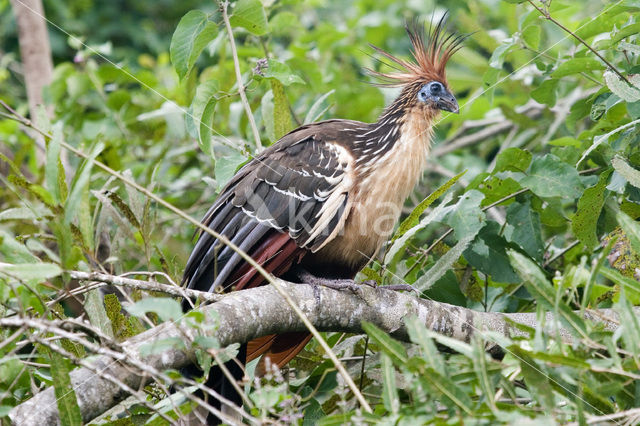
(423,80)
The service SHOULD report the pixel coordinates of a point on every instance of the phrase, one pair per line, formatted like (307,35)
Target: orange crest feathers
(431,52)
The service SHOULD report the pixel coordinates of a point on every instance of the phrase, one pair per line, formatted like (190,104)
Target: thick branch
(245,315)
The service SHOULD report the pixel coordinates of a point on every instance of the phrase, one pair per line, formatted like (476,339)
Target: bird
(318,204)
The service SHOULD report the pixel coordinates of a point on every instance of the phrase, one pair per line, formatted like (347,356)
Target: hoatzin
(308,205)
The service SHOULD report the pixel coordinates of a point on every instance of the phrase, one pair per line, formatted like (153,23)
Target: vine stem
(545,13)
(224,240)
(236,64)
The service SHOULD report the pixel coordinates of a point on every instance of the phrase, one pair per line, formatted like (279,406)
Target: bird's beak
(448,102)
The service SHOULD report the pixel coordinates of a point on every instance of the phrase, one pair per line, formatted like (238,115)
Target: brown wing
(292,199)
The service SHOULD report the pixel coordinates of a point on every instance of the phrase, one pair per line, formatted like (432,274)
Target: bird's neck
(401,122)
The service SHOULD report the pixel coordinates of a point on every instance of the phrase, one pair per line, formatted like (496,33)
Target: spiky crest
(431,52)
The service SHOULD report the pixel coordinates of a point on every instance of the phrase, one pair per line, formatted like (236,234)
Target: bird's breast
(378,195)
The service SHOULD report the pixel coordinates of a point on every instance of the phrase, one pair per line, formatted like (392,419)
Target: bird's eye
(435,88)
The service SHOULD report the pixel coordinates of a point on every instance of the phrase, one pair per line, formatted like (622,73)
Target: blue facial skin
(436,94)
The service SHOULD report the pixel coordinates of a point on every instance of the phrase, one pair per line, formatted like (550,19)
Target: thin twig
(236,64)
(545,13)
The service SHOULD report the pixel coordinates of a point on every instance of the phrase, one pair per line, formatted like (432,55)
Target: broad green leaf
(80,184)
(496,189)
(94,307)
(31,271)
(250,15)
(414,217)
(488,253)
(621,88)
(387,344)
(523,228)
(443,264)
(282,73)
(467,218)
(548,176)
(201,114)
(166,308)
(513,159)
(389,390)
(192,35)
(281,116)
(577,65)
(68,408)
(545,93)
(629,173)
(631,229)
(497,58)
(226,167)
(531,36)
(584,222)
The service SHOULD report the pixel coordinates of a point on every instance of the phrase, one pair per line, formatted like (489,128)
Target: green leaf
(452,393)
(418,335)
(513,159)
(250,15)
(192,35)
(497,58)
(53,167)
(80,184)
(488,254)
(388,345)
(523,228)
(631,228)
(282,73)
(531,36)
(31,271)
(545,93)
(577,65)
(166,308)
(389,390)
(620,279)
(629,324)
(535,378)
(96,312)
(226,167)
(584,222)
(68,408)
(629,173)
(315,112)
(541,289)
(548,176)
(281,116)
(630,93)
(414,217)
(201,117)
(467,218)
(443,264)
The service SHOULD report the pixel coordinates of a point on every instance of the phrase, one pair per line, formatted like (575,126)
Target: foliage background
(563,236)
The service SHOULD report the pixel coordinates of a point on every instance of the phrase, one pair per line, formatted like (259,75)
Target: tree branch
(248,314)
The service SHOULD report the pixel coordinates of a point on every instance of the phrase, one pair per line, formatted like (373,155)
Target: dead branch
(245,315)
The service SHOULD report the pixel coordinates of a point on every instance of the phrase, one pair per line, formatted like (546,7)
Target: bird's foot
(335,284)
